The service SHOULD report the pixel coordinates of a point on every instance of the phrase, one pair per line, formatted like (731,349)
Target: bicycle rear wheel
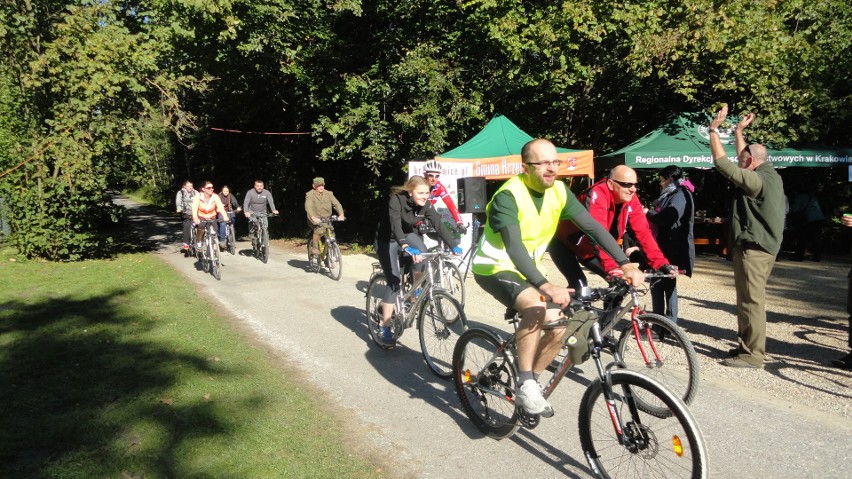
(375,292)
(264,245)
(333,261)
(653,446)
(232,239)
(674,363)
(451,280)
(441,322)
(485,379)
(215,265)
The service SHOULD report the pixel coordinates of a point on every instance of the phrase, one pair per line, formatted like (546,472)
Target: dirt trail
(796,409)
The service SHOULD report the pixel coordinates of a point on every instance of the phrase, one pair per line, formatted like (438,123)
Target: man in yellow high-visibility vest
(521,220)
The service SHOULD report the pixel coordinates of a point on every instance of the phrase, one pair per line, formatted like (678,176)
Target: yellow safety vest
(537,227)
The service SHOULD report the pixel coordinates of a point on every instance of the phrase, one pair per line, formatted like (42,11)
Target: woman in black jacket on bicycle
(408,216)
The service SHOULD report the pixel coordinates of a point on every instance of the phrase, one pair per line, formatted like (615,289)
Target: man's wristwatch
(712,130)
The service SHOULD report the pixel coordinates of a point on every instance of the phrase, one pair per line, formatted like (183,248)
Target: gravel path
(789,420)
(807,327)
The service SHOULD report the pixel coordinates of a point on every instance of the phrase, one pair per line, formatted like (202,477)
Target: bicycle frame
(329,237)
(612,317)
(599,344)
(405,315)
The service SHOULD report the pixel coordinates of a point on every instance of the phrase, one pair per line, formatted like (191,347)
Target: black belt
(752,245)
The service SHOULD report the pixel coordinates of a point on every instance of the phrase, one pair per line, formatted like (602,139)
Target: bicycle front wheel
(333,260)
(650,446)
(205,256)
(215,265)
(451,280)
(670,360)
(375,292)
(232,239)
(485,379)
(441,321)
(264,245)
(313,259)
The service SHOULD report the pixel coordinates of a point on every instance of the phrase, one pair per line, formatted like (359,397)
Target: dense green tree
(106,94)
(97,98)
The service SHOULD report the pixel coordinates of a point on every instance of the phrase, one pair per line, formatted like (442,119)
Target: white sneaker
(529,397)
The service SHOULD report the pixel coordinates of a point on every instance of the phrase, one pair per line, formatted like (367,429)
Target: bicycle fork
(634,438)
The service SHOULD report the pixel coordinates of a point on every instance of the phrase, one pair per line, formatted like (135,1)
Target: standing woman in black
(400,229)
(671,220)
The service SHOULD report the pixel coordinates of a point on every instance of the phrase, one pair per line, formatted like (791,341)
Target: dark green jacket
(758,213)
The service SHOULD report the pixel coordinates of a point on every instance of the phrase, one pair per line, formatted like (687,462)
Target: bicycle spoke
(484,380)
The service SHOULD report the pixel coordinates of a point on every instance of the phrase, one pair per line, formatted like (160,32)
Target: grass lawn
(119,369)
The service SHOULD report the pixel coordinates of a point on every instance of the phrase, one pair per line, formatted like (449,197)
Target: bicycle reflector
(677,447)
(466,376)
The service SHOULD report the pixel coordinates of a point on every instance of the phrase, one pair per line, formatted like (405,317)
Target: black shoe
(843,363)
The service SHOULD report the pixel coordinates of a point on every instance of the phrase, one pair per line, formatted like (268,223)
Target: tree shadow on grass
(79,385)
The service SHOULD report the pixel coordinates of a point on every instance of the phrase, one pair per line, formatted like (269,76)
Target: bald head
(623,173)
(534,149)
(752,156)
(622,182)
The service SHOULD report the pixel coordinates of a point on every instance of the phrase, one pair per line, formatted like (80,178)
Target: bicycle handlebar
(618,287)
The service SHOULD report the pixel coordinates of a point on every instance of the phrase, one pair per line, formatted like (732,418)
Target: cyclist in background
(521,219)
(205,207)
(437,191)
(399,229)
(232,206)
(318,205)
(256,201)
(183,205)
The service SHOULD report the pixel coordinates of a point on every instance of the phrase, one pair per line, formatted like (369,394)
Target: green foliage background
(105,95)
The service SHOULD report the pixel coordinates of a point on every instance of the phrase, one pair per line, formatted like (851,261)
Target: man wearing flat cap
(318,205)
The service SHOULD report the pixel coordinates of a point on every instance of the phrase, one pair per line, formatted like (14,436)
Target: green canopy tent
(495,153)
(683,141)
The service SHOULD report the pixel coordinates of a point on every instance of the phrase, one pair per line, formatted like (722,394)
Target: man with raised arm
(520,221)
(757,226)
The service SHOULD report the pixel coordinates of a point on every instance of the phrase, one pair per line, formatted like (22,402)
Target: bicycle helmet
(432,166)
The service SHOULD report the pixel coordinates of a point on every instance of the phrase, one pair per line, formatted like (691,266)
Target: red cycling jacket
(601,205)
(438,192)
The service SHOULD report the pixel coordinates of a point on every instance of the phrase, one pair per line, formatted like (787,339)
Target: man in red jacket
(614,204)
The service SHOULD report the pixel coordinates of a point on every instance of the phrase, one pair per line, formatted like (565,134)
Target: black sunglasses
(747,149)
(624,184)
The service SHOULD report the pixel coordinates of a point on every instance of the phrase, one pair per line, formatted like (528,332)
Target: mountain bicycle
(329,256)
(260,236)
(646,343)
(440,317)
(208,255)
(620,437)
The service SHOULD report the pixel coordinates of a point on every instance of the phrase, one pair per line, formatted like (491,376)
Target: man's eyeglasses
(554,163)
(747,149)
(433,175)
(624,184)
(208,187)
